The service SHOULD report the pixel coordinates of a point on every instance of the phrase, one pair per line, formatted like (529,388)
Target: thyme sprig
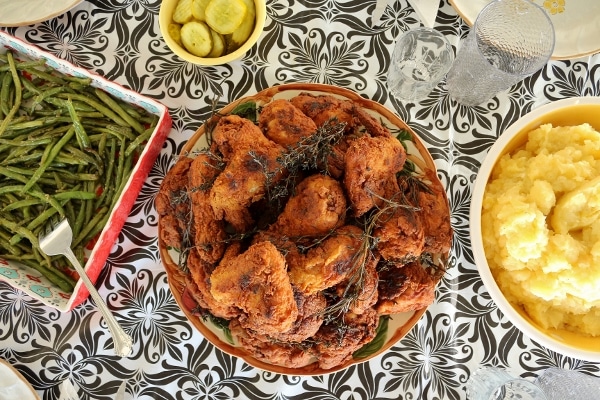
(368,242)
(309,153)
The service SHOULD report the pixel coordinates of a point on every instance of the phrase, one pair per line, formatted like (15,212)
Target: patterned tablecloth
(325,41)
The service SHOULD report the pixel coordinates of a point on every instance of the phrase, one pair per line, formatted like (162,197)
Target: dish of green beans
(67,150)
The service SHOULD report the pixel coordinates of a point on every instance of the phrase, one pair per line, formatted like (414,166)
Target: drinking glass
(490,383)
(510,40)
(420,60)
(560,384)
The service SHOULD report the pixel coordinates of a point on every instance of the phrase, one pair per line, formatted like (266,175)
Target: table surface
(324,41)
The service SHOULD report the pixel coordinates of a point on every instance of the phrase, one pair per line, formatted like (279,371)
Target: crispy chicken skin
(263,348)
(435,216)
(256,281)
(400,235)
(310,318)
(284,123)
(326,264)
(322,108)
(335,342)
(362,288)
(317,207)
(407,288)
(174,212)
(209,238)
(251,158)
(200,272)
(370,164)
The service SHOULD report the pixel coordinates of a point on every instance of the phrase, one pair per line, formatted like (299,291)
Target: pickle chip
(225,16)
(183,12)
(199,9)
(197,38)
(243,32)
(218,47)
(174,31)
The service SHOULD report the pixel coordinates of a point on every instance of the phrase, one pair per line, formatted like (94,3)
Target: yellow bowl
(567,112)
(165,17)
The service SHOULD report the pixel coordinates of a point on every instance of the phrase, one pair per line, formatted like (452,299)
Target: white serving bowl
(567,112)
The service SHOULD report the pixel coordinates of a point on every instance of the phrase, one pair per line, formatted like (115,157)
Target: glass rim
(535,6)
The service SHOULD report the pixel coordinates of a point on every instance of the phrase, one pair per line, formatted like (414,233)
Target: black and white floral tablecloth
(325,41)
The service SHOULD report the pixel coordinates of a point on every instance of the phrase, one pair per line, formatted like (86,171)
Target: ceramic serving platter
(398,325)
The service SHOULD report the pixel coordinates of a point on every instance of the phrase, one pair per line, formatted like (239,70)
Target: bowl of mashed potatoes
(535,225)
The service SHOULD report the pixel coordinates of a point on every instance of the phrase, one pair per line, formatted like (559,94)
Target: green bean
(98,106)
(22,203)
(24,232)
(75,194)
(23,64)
(138,141)
(49,155)
(110,102)
(90,226)
(4,92)
(18,93)
(62,103)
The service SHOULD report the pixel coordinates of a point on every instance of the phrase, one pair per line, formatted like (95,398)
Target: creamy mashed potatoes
(541,227)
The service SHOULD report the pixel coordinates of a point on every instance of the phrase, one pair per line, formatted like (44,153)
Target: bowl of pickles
(211,32)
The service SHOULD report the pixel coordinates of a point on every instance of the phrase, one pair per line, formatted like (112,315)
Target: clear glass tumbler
(490,383)
(561,384)
(419,62)
(510,40)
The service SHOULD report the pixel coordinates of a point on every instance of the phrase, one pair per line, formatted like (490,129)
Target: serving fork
(57,240)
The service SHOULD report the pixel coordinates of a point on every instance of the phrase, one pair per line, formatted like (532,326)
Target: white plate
(13,386)
(27,12)
(576,24)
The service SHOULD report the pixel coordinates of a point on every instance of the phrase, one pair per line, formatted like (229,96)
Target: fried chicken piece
(322,108)
(335,342)
(171,205)
(371,125)
(209,237)
(326,264)
(284,123)
(435,214)
(400,235)
(200,273)
(174,182)
(265,349)
(317,207)
(371,162)
(256,281)
(310,318)
(361,288)
(407,288)
(251,160)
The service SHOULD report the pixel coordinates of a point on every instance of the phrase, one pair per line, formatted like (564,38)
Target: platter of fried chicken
(304,229)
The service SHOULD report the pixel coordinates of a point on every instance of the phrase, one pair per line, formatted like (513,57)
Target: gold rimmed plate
(575,23)
(28,12)
(13,385)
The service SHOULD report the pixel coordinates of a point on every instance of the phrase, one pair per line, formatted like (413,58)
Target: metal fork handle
(122,341)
